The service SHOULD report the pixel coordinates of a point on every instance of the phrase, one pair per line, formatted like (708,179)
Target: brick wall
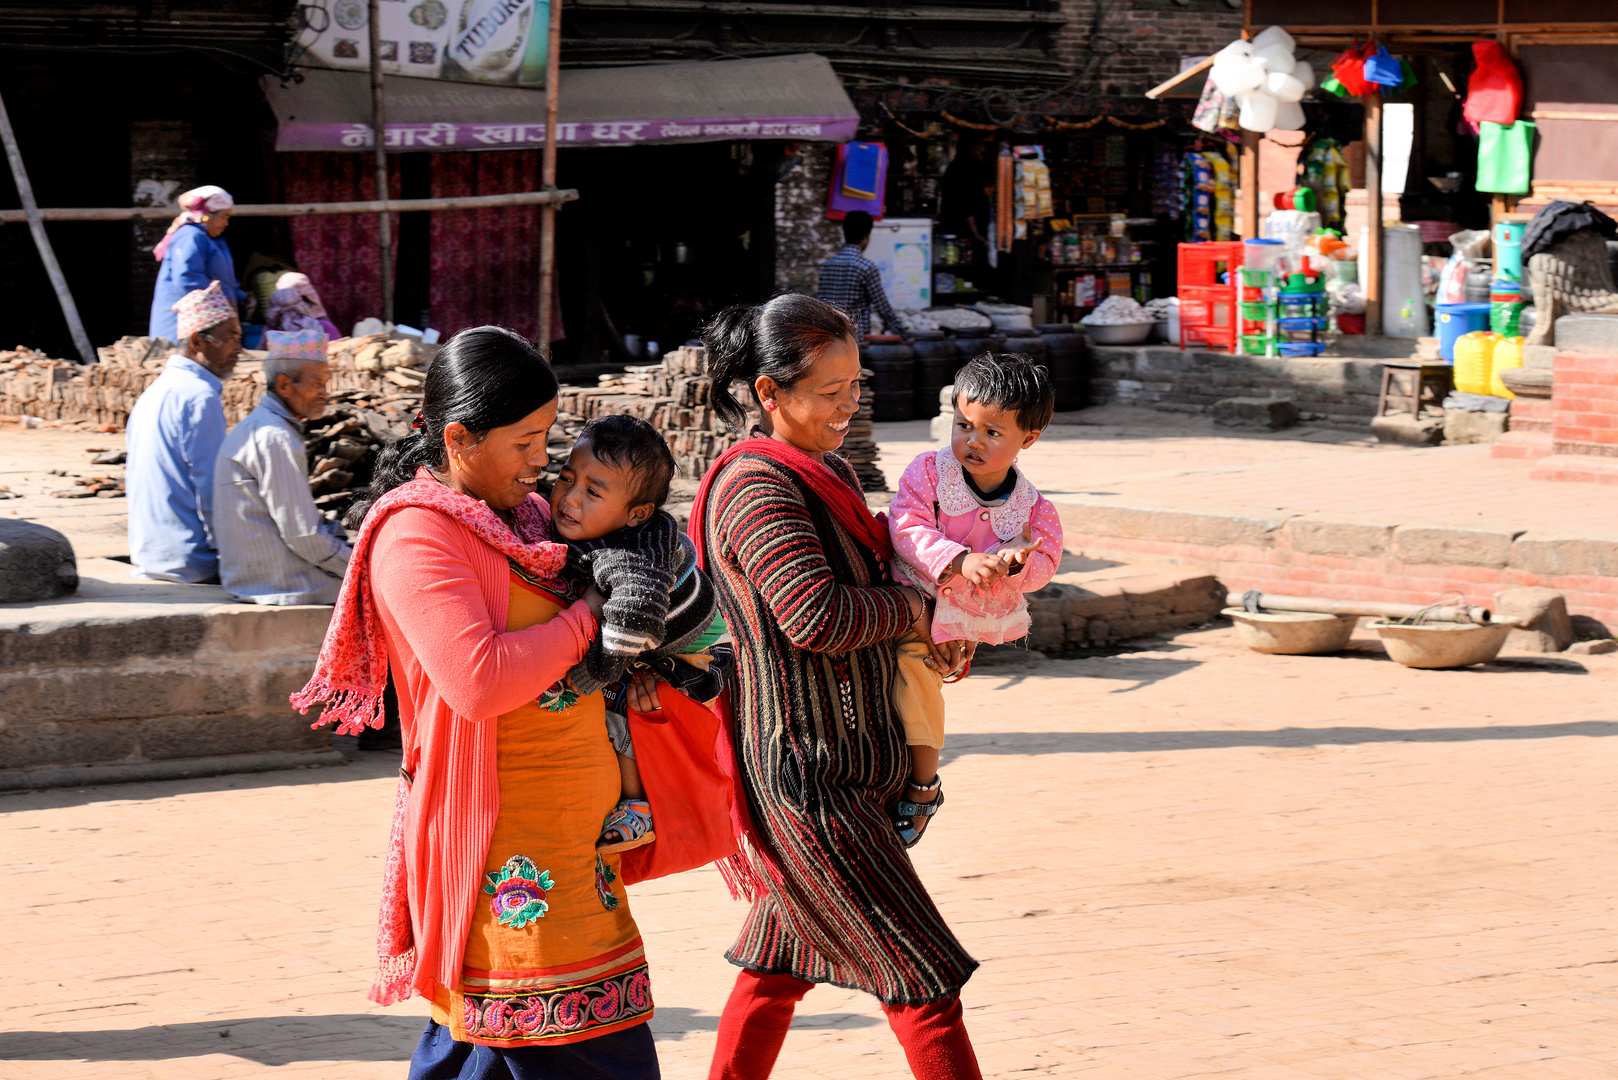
(1334,391)
(804,237)
(1126,47)
(1351,558)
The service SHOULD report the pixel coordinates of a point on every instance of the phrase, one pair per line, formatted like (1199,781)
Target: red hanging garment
(1349,68)
(1494,92)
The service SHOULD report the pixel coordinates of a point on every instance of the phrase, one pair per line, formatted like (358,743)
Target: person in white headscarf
(295,305)
(193,254)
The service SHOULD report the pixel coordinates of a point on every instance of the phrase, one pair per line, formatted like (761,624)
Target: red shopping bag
(1494,92)
(677,749)
(1349,68)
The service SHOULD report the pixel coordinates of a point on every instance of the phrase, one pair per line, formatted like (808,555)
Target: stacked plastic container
(1304,309)
(1260,311)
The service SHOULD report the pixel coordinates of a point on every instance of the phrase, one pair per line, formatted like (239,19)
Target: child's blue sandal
(907,813)
(628,826)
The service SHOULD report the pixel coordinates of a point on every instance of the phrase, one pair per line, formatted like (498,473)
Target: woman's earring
(770,405)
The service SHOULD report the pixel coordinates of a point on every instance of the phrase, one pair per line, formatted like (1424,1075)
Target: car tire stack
(893,379)
(937,360)
(1067,358)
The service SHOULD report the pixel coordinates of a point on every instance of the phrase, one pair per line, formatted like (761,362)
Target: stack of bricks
(675,398)
(101,395)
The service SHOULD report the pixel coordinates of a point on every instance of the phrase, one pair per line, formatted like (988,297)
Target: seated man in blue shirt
(273,547)
(173,436)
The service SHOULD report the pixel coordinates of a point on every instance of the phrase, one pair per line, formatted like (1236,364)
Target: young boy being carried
(971,531)
(660,613)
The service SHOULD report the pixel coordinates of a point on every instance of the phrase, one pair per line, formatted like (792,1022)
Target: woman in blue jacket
(192,255)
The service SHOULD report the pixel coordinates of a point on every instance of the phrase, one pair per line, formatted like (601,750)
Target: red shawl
(846,504)
(353,667)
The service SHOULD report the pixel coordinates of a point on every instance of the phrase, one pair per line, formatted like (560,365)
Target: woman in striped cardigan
(801,571)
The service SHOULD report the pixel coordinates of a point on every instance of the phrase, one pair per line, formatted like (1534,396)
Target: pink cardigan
(443,596)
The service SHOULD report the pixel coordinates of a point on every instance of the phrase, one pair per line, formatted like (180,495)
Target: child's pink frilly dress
(936,516)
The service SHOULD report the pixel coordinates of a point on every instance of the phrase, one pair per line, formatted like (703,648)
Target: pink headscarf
(195,206)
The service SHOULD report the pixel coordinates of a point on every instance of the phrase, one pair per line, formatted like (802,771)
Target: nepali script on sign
(445,136)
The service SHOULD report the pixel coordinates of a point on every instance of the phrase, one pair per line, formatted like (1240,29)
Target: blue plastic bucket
(1457,319)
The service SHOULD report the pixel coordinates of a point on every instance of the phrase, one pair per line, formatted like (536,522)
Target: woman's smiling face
(501,468)
(813,413)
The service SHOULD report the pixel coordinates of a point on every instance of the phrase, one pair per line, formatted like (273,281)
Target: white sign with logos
(493,41)
(902,249)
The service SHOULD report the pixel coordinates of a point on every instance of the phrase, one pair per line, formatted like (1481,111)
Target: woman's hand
(643,693)
(943,658)
(596,599)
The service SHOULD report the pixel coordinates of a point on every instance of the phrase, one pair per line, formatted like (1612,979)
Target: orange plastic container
(1208,314)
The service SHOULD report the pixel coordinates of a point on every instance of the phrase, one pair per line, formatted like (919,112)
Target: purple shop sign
(293,135)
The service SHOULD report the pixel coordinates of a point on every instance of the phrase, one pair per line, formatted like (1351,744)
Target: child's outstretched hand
(981,570)
(1017,554)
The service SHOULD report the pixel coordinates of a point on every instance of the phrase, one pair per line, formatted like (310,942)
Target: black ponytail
(485,377)
(781,339)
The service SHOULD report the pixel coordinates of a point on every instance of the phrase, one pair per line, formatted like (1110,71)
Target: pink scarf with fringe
(352,670)
(352,673)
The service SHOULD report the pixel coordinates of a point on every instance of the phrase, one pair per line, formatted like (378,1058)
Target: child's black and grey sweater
(658,601)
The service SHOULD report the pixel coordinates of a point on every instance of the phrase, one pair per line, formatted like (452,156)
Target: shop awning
(781,97)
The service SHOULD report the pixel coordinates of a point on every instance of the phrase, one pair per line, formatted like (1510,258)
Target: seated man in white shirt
(273,547)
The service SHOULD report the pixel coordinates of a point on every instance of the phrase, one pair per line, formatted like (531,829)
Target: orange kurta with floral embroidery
(553,955)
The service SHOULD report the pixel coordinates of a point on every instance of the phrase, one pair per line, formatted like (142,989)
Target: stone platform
(132,680)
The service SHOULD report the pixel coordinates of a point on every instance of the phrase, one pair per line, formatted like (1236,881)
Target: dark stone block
(1263,414)
(101,642)
(1592,333)
(36,563)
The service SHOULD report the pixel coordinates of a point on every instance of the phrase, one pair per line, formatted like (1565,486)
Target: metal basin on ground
(1292,633)
(1119,334)
(1442,645)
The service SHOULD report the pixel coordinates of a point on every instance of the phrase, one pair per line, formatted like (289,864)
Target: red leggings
(759,1012)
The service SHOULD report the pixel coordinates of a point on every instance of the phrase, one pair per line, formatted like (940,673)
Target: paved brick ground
(1192,861)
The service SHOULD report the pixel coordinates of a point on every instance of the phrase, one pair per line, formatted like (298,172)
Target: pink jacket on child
(935,517)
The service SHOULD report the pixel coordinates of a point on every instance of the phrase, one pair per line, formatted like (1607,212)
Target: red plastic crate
(1208,314)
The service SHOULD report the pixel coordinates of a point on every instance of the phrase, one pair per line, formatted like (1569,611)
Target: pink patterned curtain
(339,252)
(485,263)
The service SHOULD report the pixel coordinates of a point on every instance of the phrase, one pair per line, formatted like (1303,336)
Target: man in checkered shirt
(850,281)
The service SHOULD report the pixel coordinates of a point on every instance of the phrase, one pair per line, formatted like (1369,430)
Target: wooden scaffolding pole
(379,130)
(1247,212)
(47,255)
(242,210)
(547,219)
(1373,213)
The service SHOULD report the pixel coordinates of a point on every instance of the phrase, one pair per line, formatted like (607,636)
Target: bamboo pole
(1183,77)
(379,131)
(1462,613)
(1373,213)
(364,206)
(547,217)
(47,254)
(1247,212)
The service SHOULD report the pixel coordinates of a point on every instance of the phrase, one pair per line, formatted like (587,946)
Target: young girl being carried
(970,530)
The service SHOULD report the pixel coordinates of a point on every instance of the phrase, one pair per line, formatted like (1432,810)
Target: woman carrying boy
(497,906)
(801,569)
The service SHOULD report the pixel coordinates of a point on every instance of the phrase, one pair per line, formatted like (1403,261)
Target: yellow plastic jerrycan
(1507,354)
(1474,361)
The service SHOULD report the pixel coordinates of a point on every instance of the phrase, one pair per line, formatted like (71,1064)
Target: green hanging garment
(1505,157)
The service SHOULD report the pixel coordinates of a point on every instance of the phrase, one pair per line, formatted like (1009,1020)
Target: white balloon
(1275,57)
(1236,50)
(1271,35)
(1235,77)
(1289,116)
(1304,72)
(1284,87)
(1258,112)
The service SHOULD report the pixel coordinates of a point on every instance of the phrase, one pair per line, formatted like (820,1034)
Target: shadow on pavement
(673,1024)
(1125,742)
(267,1040)
(283,1040)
